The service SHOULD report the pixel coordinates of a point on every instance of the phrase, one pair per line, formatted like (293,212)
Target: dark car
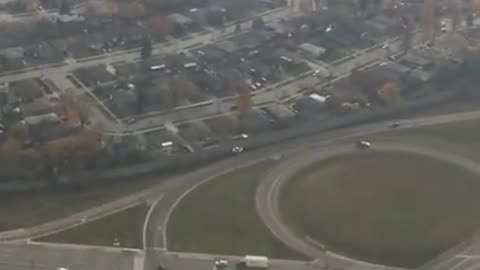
(394,125)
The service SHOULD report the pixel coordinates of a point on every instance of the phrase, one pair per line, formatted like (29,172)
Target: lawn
(462,138)
(391,208)
(32,208)
(125,226)
(219,217)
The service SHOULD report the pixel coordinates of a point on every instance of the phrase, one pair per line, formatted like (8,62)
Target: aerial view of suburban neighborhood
(239,134)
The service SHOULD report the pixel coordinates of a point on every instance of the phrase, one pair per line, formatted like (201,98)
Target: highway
(155,229)
(176,186)
(171,191)
(168,194)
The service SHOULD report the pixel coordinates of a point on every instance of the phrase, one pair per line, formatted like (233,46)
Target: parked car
(237,149)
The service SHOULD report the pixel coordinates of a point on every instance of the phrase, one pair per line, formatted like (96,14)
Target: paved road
(283,90)
(177,186)
(268,192)
(132,55)
(155,229)
(288,88)
(195,261)
(57,72)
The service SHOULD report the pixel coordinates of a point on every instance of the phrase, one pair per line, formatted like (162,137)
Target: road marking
(147,218)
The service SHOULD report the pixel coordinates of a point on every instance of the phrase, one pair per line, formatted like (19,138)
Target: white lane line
(147,219)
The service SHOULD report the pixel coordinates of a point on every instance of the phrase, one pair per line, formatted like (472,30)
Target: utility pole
(429,21)
(244,100)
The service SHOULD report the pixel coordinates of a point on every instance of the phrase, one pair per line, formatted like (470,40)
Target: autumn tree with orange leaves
(160,25)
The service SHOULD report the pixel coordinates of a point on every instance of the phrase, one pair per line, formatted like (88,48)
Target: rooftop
(179,18)
(416,60)
(228,46)
(396,67)
(47,119)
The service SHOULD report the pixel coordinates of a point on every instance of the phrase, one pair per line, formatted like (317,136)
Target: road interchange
(169,193)
(269,190)
(156,224)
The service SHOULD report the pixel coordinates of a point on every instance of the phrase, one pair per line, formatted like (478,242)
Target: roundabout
(371,223)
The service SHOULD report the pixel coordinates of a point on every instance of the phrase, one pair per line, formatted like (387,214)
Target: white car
(220,263)
(392,58)
(363,145)
(237,149)
(244,136)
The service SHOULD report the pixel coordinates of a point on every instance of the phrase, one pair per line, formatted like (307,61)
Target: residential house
(27,90)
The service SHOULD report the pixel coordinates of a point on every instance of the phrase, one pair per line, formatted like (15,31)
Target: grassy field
(210,206)
(219,217)
(392,208)
(31,208)
(126,226)
(462,138)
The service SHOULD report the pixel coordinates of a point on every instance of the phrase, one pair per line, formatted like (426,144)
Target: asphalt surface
(197,261)
(268,192)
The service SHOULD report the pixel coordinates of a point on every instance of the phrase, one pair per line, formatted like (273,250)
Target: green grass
(126,226)
(390,208)
(32,208)
(219,217)
(462,138)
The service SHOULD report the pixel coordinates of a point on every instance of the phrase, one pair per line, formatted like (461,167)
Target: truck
(256,261)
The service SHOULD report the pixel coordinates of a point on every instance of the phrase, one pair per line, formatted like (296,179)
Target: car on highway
(363,145)
(392,58)
(394,125)
(131,121)
(316,73)
(221,263)
(237,149)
